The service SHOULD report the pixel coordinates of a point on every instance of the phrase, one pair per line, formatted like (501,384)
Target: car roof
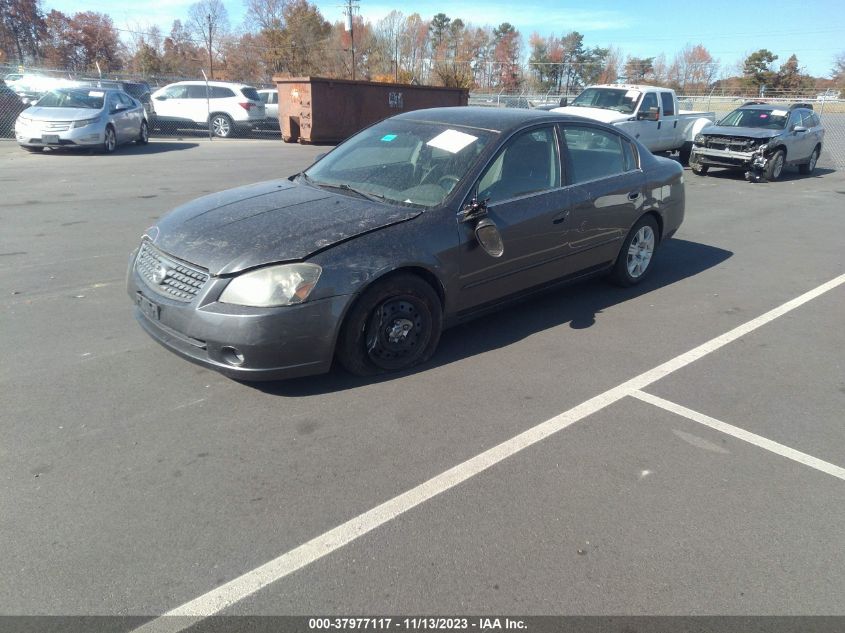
(493,119)
(226,84)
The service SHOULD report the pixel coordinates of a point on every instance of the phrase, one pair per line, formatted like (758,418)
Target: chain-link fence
(830,110)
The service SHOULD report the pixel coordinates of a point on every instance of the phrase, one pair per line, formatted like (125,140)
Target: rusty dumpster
(322,110)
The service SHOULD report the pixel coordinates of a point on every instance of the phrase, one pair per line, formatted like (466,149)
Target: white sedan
(82,117)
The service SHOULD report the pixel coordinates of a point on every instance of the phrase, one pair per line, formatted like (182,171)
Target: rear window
(251,93)
(668,103)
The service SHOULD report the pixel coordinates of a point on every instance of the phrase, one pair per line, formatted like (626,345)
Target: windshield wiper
(375,197)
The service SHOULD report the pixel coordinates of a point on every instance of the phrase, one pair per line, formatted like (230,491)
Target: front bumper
(755,159)
(241,342)
(35,134)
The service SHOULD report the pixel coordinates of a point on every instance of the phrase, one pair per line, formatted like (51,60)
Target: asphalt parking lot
(671,449)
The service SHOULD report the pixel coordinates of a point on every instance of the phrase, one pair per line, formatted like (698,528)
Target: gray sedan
(419,222)
(82,117)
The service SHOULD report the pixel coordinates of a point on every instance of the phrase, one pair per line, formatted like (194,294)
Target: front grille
(168,276)
(731,143)
(55,126)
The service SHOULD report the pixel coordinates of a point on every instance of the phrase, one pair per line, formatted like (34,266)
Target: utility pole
(349,10)
(210,56)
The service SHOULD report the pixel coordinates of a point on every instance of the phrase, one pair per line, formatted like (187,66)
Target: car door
(667,126)
(607,193)
(645,131)
(525,200)
(129,117)
(172,103)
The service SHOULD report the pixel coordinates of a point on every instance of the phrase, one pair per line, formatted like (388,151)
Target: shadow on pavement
(579,305)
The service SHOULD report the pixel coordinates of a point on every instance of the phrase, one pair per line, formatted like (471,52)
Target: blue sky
(814,31)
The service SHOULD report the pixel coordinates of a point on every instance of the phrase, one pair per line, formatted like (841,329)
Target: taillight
(247,105)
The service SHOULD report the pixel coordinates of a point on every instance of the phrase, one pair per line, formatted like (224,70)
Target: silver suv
(226,107)
(761,139)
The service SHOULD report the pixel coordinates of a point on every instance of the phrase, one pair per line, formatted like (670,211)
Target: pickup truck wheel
(810,165)
(774,167)
(684,153)
(698,169)
(637,253)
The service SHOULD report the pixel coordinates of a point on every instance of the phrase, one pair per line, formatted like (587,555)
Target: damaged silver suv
(761,139)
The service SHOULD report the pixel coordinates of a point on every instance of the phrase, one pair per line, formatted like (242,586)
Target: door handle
(560,218)
(633,195)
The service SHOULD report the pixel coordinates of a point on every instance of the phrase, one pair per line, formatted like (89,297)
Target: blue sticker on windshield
(388,137)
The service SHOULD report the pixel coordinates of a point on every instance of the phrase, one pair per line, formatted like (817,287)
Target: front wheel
(774,166)
(684,153)
(637,254)
(110,142)
(699,169)
(221,125)
(394,325)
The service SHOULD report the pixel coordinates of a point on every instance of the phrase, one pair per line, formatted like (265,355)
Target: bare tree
(266,14)
(209,20)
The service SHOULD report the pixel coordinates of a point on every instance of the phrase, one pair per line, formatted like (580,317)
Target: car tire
(636,257)
(775,165)
(110,140)
(810,166)
(394,325)
(143,134)
(221,125)
(699,169)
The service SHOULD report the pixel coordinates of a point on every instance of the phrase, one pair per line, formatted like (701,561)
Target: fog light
(232,356)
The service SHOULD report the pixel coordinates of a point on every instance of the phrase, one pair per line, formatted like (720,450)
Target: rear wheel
(395,324)
(774,166)
(637,254)
(110,142)
(143,134)
(810,165)
(221,125)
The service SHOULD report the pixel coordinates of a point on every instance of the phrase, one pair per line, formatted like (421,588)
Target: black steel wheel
(394,325)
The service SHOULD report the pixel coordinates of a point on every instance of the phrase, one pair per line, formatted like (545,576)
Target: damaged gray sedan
(417,223)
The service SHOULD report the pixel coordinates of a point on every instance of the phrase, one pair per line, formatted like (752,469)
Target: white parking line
(252,581)
(742,434)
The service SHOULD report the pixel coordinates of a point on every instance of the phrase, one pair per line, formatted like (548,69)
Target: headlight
(24,119)
(699,139)
(283,285)
(84,122)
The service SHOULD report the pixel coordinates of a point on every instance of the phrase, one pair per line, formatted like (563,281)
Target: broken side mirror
(475,209)
(487,234)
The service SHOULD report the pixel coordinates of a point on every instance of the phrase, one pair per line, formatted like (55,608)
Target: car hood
(745,132)
(268,222)
(596,114)
(61,114)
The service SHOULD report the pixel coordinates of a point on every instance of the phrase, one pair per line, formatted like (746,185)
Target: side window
(649,102)
(794,119)
(126,100)
(529,163)
(219,92)
(668,103)
(811,120)
(595,153)
(176,92)
(197,92)
(265,97)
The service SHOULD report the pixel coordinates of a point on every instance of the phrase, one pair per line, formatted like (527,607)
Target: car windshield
(773,119)
(618,99)
(90,99)
(402,162)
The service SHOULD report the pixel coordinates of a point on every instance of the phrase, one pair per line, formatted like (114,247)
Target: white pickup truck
(648,113)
